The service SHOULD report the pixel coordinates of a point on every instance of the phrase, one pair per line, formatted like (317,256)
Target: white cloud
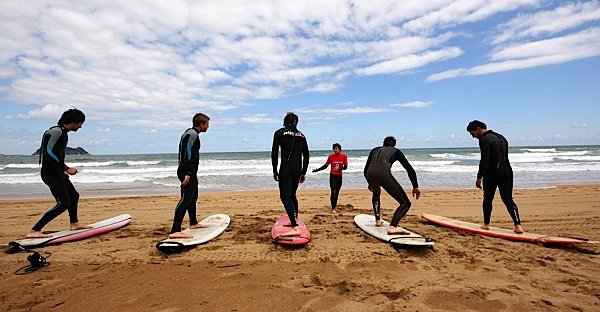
(345,111)
(567,16)
(259,119)
(415,104)
(133,64)
(582,44)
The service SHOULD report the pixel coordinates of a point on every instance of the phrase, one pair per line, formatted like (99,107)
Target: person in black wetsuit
(294,164)
(55,173)
(187,172)
(495,172)
(378,174)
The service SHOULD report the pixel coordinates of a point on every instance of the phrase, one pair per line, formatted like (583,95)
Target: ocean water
(148,174)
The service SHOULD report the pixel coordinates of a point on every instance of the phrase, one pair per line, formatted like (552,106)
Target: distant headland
(68,151)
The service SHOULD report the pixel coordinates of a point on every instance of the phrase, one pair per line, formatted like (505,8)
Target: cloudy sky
(354,71)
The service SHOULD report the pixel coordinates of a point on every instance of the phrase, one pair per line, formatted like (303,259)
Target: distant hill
(68,151)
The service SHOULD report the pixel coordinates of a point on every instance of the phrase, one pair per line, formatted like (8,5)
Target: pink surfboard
(501,233)
(68,235)
(283,225)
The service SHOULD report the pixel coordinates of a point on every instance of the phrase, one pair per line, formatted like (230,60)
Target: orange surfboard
(501,233)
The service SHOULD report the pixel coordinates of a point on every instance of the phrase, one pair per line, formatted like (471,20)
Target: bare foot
(485,226)
(378,222)
(518,229)
(37,234)
(392,230)
(77,226)
(179,235)
(295,231)
(198,226)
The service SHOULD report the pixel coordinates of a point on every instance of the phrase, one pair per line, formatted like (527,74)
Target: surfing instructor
(495,172)
(55,173)
(294,164)
(187,172)
(339,162)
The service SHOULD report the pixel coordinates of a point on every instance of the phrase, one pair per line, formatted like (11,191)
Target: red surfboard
(283,225)
(501,233)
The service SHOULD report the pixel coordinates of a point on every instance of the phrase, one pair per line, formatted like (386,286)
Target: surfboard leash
(36,262)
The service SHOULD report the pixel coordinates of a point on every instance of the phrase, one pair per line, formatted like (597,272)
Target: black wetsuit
(496,172)
(378,174)
(189,157)
(294,163)
(52,157)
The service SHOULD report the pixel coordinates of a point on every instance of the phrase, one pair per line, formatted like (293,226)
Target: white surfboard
(73,235)
(216,225)
(367,223)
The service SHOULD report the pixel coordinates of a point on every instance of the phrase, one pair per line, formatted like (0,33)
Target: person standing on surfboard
(55,173)
(187,172)
(378,174)
(339,162)
(294,164)
(495,172)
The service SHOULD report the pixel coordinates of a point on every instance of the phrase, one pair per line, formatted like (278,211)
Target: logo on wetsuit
(292,133)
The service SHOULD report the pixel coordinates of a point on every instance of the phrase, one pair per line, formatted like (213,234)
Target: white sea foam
(443,168)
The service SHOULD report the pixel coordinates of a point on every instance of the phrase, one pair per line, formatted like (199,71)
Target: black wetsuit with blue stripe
(52,157)
(189,158)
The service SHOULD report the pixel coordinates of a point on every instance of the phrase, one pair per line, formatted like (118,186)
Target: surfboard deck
(367,223)
(98,228)
(282,225)
(217,224)
(500,232)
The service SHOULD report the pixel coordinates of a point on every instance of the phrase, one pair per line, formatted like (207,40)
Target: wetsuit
(294,163)
(338,163)
(496,172)
(189,157)
(378,174)
(52,157)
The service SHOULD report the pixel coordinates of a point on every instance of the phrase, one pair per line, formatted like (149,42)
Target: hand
(185,181)
(478,183)
(302,178)
(315,170)
(370,188)
(276,176)
(71,171)
(416,193)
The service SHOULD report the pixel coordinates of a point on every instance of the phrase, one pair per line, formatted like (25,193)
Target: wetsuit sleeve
(345,164)
(54,137)
(484,163)
(412,175)
(327,162)
(321,168)
(305,158)
(275,151)
(190,148)
(195,155)
(367,166)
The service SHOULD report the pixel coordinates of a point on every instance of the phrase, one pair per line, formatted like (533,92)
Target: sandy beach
(341,269)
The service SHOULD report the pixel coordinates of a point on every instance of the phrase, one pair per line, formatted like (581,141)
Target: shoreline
(341,269)
(300,190)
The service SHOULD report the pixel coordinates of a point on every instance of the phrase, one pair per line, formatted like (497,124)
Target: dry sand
(341,269)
